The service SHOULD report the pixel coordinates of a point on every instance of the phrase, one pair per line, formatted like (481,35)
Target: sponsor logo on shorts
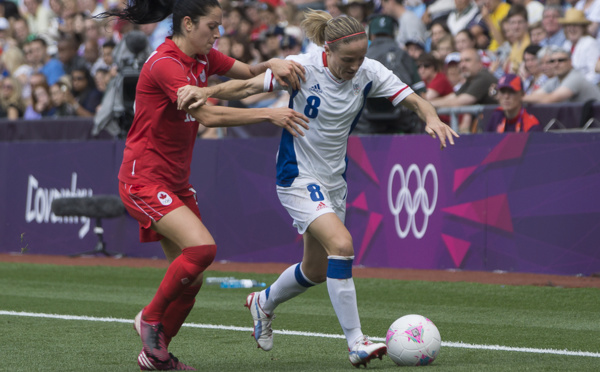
(321,206)
(164,198)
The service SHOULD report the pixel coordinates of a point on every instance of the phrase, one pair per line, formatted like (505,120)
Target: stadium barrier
(554,117)
(510,202)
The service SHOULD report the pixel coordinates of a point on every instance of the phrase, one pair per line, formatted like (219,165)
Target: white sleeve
(386,83)
(270,83)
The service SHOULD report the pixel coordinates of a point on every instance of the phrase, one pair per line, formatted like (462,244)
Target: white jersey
(333,107)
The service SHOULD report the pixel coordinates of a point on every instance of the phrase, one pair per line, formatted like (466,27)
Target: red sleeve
(219,63)
(169,75)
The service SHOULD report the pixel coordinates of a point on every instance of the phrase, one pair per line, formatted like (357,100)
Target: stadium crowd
(57,58)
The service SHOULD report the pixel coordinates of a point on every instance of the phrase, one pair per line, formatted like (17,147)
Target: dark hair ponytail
(151,11)
(143,11)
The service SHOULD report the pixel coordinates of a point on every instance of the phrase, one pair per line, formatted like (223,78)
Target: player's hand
(190,97)
(289,119)
(436,128)
(286,71)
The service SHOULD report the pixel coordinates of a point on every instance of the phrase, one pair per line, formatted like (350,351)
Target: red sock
(180,274)
(177,312)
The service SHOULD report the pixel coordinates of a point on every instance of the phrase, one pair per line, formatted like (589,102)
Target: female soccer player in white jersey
(154,176)
(310,170)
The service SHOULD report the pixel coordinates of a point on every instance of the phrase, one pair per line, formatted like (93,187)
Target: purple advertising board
(510,202)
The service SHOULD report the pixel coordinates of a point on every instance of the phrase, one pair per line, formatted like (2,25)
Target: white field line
(308,334)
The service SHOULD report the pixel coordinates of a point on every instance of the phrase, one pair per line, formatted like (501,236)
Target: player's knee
(341,246)
(199,257)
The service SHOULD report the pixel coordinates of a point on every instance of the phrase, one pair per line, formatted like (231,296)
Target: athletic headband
(343,37)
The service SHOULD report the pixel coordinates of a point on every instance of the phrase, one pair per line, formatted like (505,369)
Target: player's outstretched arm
(434,126)
(220,116)
(192,97)
(285,71)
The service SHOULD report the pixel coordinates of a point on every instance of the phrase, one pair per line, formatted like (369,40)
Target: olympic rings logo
(409,202)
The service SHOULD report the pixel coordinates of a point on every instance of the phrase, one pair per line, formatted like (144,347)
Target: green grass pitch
(477,323)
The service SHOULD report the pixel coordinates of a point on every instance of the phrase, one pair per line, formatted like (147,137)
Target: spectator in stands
(67,54)
(410,26)
(385,49)
(91,53)
(332,7)
(43,62)
(465,13)
(11,60)
(536,33)
(92,31)
(569,85)
(517,21)
(60,93)
(452,70)
(544,56)
(268,44)
(591,9)
(438,29)
(290,46)
(36,78)
(242,50)
(10,11)
(436,82)
(12,105)
(105,61)
(481,34)
(584,48)
(357,9)
(38,16)
(535,10)
(444,47)
(20,31)
(464,40)
(492,12)
(86,97)
(511,116)
(532,76)
(554,32)
(475,90)
(101,79)
(232,19)
(41,105)
(415,48)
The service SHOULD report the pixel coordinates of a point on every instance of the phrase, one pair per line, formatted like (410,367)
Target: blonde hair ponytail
(321,28)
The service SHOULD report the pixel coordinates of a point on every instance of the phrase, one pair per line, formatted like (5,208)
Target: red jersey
(159,145)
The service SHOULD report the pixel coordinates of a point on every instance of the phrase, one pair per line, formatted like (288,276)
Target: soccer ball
(413,340)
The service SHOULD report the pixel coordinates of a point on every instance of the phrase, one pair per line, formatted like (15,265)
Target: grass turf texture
(534,317)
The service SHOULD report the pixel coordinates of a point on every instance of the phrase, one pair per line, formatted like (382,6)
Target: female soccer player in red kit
(154,176)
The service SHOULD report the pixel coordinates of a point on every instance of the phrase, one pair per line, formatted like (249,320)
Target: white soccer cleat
(263,334)
(364,350)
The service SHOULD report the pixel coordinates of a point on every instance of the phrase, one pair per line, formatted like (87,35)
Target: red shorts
(151,202)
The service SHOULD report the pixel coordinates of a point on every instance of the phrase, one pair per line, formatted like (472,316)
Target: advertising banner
(508,202)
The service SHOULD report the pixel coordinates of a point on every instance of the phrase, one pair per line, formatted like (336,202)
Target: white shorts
(307,199)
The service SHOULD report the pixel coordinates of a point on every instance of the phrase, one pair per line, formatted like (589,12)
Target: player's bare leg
(330,234)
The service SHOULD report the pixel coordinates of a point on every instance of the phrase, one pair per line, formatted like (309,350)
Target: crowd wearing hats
(56,58)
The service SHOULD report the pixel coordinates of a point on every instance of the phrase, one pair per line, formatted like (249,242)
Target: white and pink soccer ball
(413,340)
